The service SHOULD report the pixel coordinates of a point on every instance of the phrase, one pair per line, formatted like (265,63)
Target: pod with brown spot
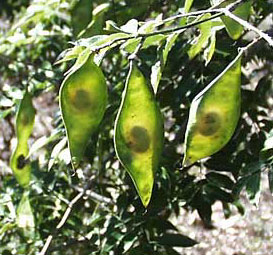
(83,100)
(139,133)
(24,125)
(214,114)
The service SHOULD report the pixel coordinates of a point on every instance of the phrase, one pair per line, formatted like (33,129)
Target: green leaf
(161,225)
(240,184)
(267,152)
(129,240)
(220,180)
(215,193)
(42,141)
(95,27)
(82,58)
(251,177)
(187,6)
(55,152)
(25,218)
(5,113)
(81,15)
(201,41)
(70,54)
(176,240)
(84,47)
(253,188)
(154,40)
(6,227)
(149,26)
(158,67)
(131,26)
(204,210)
(209,51)
(131,44)
(233,28)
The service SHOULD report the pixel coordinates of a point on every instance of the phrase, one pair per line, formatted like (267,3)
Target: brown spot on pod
(138,140)
(81,99)
(25,119)
(209,123)
(21,162)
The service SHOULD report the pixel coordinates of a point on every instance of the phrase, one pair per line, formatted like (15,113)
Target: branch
(65,216)
(95,196)
(167,31)
(248,26)
(218,13)
(134,54)
(182,28)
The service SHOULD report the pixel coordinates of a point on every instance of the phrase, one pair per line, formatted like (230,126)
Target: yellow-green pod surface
(24,125)
(83,100)
(139,133)
(233,28)
(214,114)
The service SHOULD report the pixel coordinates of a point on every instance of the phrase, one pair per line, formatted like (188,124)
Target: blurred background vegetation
(110,218)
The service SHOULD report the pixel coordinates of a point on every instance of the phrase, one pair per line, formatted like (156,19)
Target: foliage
(109,218)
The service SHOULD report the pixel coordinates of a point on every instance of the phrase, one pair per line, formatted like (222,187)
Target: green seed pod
(83,100)
(139,133)
(24,125)
(214,114)
(233,28)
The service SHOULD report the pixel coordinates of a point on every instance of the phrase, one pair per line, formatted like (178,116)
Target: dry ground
(250,234)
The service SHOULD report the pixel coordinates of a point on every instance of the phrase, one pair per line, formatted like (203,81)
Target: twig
(182,28)
(134,54)
(218,13)
(95,196)
(65,216)
(248,26)
(184,15)
(250,44)
(167,31)
(98,48)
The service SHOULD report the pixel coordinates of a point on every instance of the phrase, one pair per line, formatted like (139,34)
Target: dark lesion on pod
(25,119)
(209,124)
(81,99)
(22,162)
(139,139)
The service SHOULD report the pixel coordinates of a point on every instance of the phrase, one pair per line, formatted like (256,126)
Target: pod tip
(187,161)
(145,199)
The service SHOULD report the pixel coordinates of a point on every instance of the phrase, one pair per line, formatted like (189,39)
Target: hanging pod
(24,125)
(139,133)
(214,114)
(83,100)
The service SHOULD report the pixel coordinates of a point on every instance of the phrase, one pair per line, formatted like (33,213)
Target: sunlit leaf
(201,41)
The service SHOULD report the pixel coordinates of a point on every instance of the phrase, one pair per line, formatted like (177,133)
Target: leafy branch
(218,12)
(70,205)
(247,25)
(227,11)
